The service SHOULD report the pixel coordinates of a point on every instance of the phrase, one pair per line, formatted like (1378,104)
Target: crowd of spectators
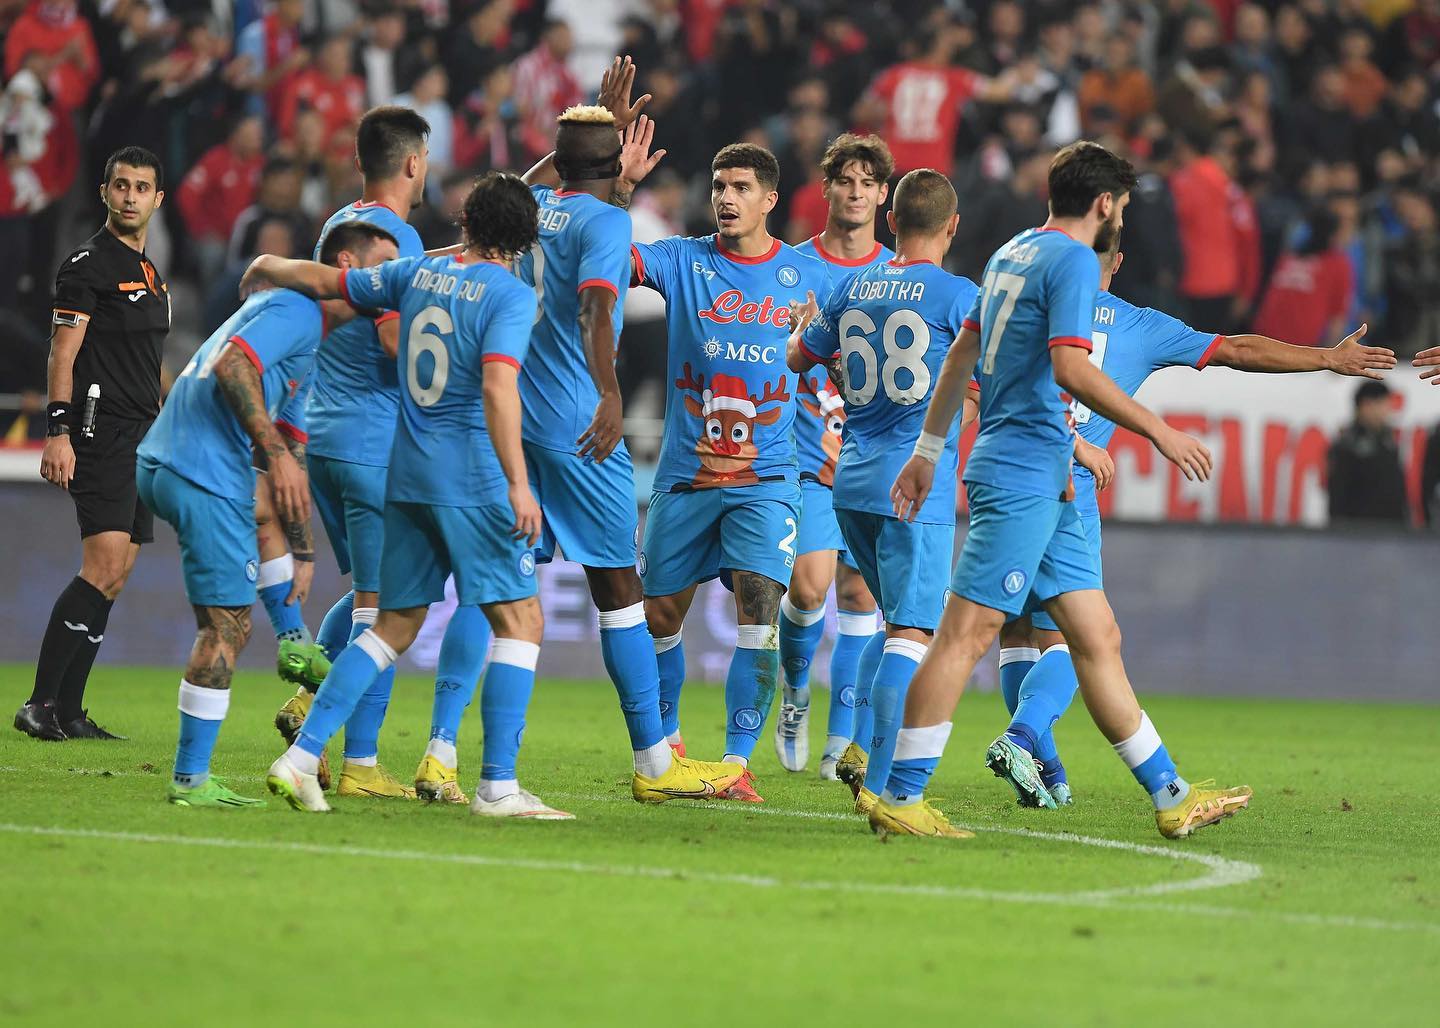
(1289,149)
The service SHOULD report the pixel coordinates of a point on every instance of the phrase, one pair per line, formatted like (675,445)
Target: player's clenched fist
(1186,452)
(911,487)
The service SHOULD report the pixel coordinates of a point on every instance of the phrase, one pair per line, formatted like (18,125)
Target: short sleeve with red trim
(378,287)
(658,264)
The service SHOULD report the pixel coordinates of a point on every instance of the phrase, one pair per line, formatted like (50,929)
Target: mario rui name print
(729,416)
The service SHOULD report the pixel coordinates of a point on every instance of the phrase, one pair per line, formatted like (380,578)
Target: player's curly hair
(871,152)
(500,215)
(747,155)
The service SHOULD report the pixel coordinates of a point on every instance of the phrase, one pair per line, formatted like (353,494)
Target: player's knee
(851,592)
(614,588)
(663,619)
(523,620)
(1016,633)
(1098,640)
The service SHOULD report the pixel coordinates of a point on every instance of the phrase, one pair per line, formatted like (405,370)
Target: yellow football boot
(913,819)
(371,780)
(850,768)
(865,802)
(686,779)
(434,782)
(1202,806)
(293,714)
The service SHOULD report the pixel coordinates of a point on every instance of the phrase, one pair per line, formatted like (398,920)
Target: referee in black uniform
(110,318)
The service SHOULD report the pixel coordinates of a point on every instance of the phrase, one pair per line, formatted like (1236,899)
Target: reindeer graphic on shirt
(729,416)
(822,399)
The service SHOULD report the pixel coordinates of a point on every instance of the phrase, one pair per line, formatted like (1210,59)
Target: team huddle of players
(460,418)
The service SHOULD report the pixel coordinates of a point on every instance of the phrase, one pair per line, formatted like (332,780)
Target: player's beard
(1107,233)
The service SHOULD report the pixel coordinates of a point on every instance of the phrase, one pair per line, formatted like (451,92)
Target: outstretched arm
(239,382)
(1271,356)
(267,271)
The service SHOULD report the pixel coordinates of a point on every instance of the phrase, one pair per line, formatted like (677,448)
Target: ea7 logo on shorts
(787,276)
(748,719)
(1014,582)
(252,570)
(527,563)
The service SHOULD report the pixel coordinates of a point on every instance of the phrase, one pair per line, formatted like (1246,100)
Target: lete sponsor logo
(732,307)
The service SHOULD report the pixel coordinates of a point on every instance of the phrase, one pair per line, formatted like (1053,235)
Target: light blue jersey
(454,318)
(821,417)
(1039,292)
(584,242)
(729,419)
(353,404)
(893,324)
(1131,343)
(197,435)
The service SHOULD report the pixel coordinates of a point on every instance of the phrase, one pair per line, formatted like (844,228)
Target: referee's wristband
(59,418)
(929,447)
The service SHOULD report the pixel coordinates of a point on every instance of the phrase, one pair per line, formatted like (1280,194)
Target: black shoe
(83,728)
(38,721)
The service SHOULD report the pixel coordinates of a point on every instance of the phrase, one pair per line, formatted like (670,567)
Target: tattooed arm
(239,382)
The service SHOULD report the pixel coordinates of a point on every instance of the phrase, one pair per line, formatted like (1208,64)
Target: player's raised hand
(300,584)
(605,430)
(1350,357)
(527,514)
(801,314)
(1097,461)
(615,88)
(1430,361)
(636,160)
(1186,452)
(911,487)
(57,461)
(289,486)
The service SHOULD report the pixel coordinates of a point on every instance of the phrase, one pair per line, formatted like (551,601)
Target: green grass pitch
(1320,905)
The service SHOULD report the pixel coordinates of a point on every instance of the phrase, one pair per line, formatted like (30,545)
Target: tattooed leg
(222,634)
(755,667)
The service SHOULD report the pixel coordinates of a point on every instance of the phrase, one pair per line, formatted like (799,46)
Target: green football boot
(212,793)
(1017,767)
(303,664)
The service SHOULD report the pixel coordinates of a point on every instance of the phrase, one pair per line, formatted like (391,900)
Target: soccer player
(579,468)
(855,171)
(1033,319)
(726,499)
(352,413)
(239,391)
(896,321)
(110,318)
(457,499)
(1037,674)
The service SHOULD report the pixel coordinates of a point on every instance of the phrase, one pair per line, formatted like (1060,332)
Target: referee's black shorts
(103,488)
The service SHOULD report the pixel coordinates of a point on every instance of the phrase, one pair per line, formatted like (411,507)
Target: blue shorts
(690,536)
(906,565)
(351,501)
(818,527)
(589,508)
(218,555)
(425,544)
(1090,525)
(1019,544)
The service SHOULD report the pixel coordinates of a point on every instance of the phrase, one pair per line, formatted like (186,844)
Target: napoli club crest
(1014,582)
(252,570)
(748,719)
(527,563)
(787,276)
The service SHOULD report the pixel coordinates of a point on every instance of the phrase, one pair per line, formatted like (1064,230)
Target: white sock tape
(912,743)
(803,618)
(853,622)
(364,615)
(1141,746)
(1015,654)
(273,572)
(377,648)
(626,617)
(516,653)
(667,642)
(206,704)
(907,648)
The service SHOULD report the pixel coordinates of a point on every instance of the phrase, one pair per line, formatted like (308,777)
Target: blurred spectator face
(808,130)
(1119,53)
(387,31)
(1256,92)
(248,137)
(1021,127)
(663,85)
(430,86)
(289,11)
(488,22)
(1316,180)
(855,196)
(559,41)
(1058,39)
(1292,31)
(335,57)
(280,189)
(1252,26)
(275,237)
(1199,32)
(810,95)
(1329,87)
(1373,412)
(309,135)
(1346,208)
(452,201)
(1412,92)
(1356,46)
(499,84)
(1416,212)
(1007,22)
(1391,166)
(1344,177)
(1089,23)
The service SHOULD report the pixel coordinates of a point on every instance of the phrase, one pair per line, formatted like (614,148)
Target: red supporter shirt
(339,101)
(1305,295)
(41,32)
(216,190)
(1209,237)
(923,104)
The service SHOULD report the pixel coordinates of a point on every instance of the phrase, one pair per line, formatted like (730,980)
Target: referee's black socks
(72,639)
